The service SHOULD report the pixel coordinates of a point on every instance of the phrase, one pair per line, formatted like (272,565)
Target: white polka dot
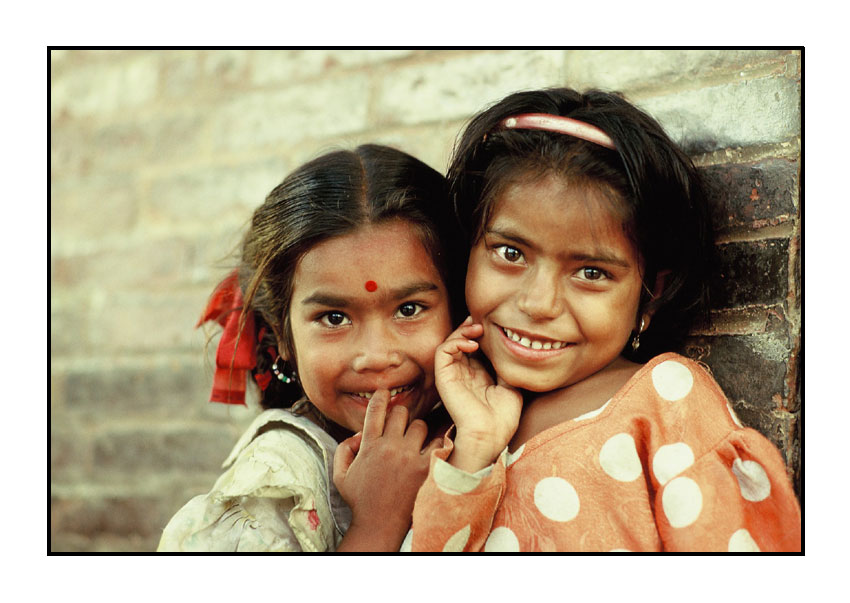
(619,458)
(512,457)
(670,460)
(742,542)
(456,543)
(453,481)
(682,502)
(672,380)
(735,418)
(752,479)
(407,543)
(592,413)
(556,499)
(501,540)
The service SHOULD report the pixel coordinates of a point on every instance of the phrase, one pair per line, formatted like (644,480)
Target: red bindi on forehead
(371,286)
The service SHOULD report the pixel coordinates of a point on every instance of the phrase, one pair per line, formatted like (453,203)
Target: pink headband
(556,123)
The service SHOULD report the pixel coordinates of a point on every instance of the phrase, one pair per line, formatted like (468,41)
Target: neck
(542,410)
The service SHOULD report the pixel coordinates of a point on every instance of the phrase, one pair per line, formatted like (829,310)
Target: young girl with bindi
(338,304)
(577,427)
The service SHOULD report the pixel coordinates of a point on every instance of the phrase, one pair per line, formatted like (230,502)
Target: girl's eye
(334,319)
(409,309)
(508,253)
(590,273)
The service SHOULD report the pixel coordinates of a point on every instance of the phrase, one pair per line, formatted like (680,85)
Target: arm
(378,474)
(455,507)
(272,498)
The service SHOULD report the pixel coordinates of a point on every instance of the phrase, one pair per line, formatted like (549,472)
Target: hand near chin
(378,472)
(485,413)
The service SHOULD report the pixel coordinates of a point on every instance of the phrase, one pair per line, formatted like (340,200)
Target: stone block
(271,67)
(102,89)
(146,322)
(750,273)
(151,390)
(193,198)
(754,112)
(752,195)
(75,219)
(332,106)
(163,448)
(457,87)
(624,70)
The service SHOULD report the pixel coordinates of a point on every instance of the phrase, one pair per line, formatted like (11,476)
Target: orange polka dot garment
(664,465)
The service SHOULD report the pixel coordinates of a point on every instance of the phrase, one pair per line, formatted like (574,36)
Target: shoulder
(283,426)
(677,395)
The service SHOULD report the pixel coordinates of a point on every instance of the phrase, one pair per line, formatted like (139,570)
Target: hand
(378,472)
(486,414)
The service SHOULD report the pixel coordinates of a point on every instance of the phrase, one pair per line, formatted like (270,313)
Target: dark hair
(649,181)
(330,196)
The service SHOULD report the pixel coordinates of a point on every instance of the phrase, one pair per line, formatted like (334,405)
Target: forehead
(388,253)
(551,209)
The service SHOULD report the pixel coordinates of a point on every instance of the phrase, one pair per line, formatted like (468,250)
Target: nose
(378,348)
(541,297)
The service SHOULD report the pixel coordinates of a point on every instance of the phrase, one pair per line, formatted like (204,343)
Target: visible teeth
(393,392)
(534,345)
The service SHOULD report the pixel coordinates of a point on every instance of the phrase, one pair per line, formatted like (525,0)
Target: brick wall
(159,157)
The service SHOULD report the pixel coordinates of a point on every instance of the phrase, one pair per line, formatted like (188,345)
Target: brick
(755,112)
(180,74)
(150,322)
(74,216)
(752,371)
(225,67)
(624,70)
(751,273)
(70,452)
(213,193)
(69,327)
(333,106)
(156,263)
(115,515)
(98,90)
(144,390)
(160,448)
(287,66)
(752,195)
(459,86)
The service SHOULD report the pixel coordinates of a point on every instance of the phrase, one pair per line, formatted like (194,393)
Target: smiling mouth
(533,344)
(393,391)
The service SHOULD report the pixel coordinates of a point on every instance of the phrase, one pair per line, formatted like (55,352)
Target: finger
(396,421)
(343,457)
(458,345)
(471,331)
(376,413)
(417,431)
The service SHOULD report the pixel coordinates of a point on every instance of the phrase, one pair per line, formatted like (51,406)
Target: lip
(401,397)
(529,353)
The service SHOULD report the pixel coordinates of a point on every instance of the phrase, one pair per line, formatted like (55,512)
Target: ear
(657,290)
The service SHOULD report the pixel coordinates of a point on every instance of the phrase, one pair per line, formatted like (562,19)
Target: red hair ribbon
(231,360)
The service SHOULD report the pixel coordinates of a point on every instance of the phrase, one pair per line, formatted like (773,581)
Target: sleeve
(273,498)
(736,497)
(454,509)
(719,486)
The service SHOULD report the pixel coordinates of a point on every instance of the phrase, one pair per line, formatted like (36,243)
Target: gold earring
(636,340)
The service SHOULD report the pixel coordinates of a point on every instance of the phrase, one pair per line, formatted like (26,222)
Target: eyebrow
(603,255)
(321,298)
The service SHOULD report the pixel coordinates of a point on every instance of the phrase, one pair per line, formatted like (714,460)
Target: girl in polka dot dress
(578,429)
